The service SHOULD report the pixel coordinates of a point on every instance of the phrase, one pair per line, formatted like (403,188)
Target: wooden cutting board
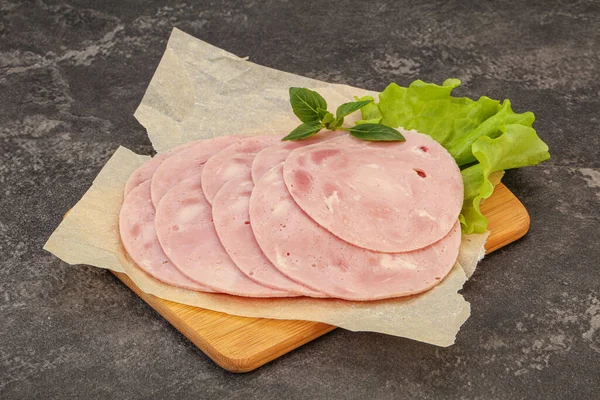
(241,344)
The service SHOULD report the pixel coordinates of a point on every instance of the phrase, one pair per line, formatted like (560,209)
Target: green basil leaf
(306,103)
(348,108)
(337,123)
(304,130)
(322,113)
(328,119)
(376,132)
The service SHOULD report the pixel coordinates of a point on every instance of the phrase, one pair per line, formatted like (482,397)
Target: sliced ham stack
(330,216)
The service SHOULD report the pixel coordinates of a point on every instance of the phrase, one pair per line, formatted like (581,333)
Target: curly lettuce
(483,136)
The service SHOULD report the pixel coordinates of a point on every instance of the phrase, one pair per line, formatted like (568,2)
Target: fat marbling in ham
(136,225)
(147,170)
(234,161)
(232,222)
(273,155)
(381,196)
(187,235)
(184,164)
(304,251)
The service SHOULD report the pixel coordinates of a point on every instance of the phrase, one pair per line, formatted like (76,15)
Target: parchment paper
(200,91)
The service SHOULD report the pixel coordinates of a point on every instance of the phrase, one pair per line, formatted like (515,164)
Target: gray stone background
(71,76)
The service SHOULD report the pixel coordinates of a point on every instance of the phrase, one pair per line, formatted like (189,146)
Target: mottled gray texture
(71,76)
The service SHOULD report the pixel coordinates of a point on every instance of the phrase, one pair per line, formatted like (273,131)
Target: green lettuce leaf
(370,112)
(483,136)
(517,146)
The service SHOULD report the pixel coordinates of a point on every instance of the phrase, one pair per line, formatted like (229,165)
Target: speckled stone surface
(71,76)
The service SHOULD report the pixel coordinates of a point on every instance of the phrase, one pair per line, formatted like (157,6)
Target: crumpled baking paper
(200,91)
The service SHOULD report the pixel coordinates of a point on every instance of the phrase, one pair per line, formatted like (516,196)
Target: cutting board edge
(163,310)
(227,361)
(247,364)
(521,227)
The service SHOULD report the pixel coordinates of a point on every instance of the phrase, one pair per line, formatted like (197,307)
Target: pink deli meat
(271,156)
(187,235)
(389,197)
(232,222)
(148,169)
(184,164)
(145,172)
(234,161)
(136,225)
(307,253)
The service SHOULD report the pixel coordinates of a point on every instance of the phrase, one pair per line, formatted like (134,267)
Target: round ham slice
(148,169)
(273,155)
(187,235)
(144,172)
(184,164)
(234,161)
(136,225)
(232,222)
(307,253)
(389,197)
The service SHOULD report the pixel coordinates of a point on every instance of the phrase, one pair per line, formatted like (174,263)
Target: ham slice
(273,155)
(232,222)
(307,253)
(184,164)
(187,235)
(136,225)
(144,172)
(148,169)
(234,161)
(389,197)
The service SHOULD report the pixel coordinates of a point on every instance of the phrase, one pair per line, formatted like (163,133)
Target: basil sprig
(311,108)
(307,104)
